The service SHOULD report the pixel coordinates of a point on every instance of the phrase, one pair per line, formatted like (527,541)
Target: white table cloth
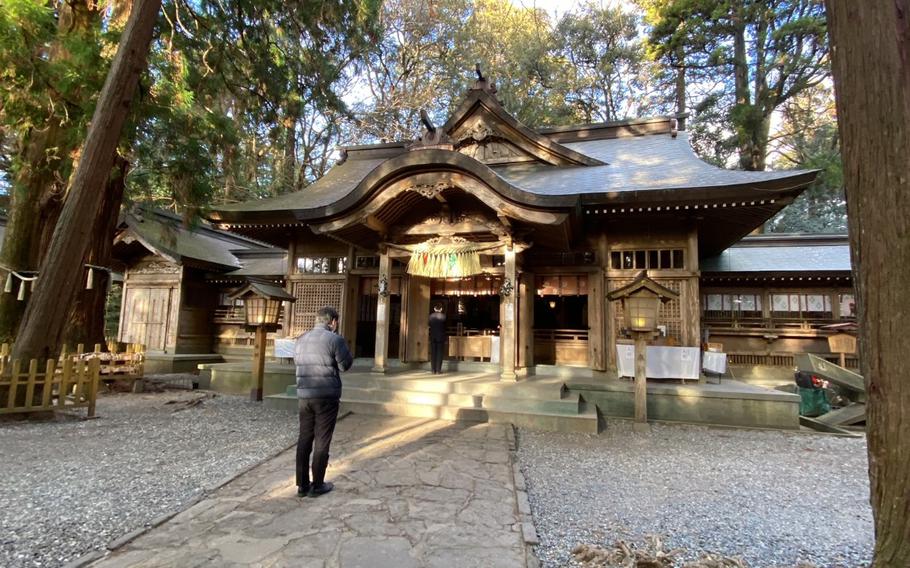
(662,362)
(284,348)
(714,362)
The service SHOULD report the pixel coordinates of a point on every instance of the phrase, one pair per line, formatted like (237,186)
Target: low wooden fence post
(94,379)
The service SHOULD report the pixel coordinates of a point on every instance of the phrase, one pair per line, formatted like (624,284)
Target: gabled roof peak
(484,84)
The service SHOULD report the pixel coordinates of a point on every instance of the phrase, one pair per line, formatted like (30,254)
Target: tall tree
(807,139)
(771,50)
(51,65)
(871,65)
(609,77)
(244,93)
(62,269)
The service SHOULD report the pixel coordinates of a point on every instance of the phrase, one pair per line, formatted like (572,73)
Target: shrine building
(519,233)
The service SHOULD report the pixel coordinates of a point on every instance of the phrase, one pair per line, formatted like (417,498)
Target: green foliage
(808,139)
(241,91)
(112,310)
(53,62)
(608,76)
(749,57)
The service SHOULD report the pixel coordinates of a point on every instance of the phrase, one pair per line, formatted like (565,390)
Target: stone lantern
(262,309)
(641,300)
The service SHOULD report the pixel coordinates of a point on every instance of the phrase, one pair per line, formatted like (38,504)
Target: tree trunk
(681,87)
(86,315)
(743,98)
(871,65)
(45,158)
(62,271)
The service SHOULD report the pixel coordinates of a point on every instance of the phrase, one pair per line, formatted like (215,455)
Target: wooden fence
(71,381)
(66,384)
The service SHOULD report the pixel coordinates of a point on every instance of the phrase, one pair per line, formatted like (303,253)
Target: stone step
(412,397)
(585,422)
(405,382)
(281,401)
(453,413)
(569,406)
(545,391)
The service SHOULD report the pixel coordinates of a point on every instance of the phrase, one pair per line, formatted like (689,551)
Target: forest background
(246,99)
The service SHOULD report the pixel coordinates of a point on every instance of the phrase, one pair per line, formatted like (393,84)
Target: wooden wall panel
(313,294)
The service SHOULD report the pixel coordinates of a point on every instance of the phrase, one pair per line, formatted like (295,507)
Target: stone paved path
(409,493)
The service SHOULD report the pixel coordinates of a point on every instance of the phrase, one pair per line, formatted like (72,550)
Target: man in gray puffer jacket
(318,355)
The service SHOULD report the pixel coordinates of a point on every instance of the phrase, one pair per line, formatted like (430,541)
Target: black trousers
(436,351)
(317,424)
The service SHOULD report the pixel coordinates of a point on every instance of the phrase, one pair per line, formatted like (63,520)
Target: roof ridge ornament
(483,84)
(433,137)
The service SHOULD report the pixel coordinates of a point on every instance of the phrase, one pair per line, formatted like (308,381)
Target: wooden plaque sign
(842,343)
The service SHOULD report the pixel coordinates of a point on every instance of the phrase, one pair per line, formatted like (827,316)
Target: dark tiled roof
(271,262)
(763,254)
(639,163)
(165,234)
(338,182)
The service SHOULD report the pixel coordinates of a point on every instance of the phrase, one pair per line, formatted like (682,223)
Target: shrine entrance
(472,307)
(561,328)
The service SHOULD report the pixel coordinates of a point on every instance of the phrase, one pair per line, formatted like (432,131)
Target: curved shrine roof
(645,160)
(633,164)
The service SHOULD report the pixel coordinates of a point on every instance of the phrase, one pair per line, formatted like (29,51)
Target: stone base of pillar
(378,370)
(641,427)
(508,377)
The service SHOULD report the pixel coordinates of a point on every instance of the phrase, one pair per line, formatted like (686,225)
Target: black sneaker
(303,491)
(321,489)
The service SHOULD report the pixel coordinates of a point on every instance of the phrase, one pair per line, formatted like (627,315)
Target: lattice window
(670,314)
(312,295)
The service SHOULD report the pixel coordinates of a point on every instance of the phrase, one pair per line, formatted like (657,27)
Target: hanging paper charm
(90,279)
(8,287)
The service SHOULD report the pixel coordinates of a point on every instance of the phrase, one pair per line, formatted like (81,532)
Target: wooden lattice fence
(63,385)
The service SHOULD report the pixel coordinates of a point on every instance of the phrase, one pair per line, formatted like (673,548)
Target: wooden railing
(66,384)
(774,322)
(561,347)
(229,314)
(560,334)
(783,359)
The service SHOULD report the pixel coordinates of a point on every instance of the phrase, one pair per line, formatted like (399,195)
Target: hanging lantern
(8,287)
(90,279)
(22,285)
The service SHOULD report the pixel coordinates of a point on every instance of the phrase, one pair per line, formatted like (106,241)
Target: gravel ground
(772,498)
(71,487)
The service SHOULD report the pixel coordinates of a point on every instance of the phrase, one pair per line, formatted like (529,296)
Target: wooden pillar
(509,316)
(418,321)
(641,381)
(258,363)
(382,312)
(350,297)
(596,316)
(526,320)
(690,296)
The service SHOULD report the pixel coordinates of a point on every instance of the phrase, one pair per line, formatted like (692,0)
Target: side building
(176,287)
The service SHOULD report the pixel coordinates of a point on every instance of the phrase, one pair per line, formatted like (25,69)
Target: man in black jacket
(318,356)
(437,337)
